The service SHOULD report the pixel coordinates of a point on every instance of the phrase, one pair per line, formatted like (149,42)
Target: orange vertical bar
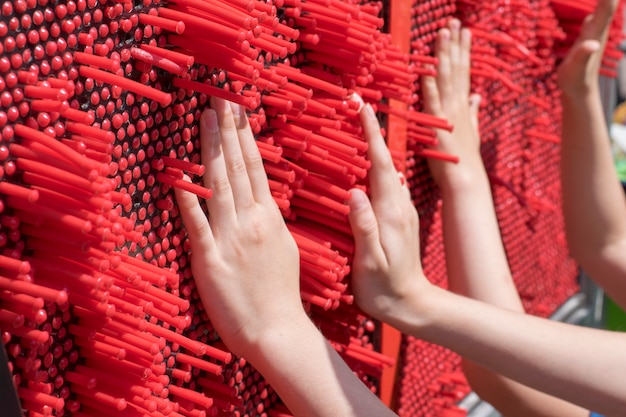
(400,30)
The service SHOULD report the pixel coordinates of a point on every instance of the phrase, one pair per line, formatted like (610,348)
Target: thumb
(194,219)
(430,94)
(363,223)
(581,52)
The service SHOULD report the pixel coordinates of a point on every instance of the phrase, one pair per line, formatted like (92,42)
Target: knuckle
(227,124)
(368,225)
(236,167)
(221,186)
(254,160)
(256,230)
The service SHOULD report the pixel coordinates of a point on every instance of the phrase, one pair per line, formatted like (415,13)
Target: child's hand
(386,272)
(244,260)
(578,73)
(448,96)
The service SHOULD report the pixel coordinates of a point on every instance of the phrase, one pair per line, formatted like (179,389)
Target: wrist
(269,339)
(410,314)
(468,182)
(580,94)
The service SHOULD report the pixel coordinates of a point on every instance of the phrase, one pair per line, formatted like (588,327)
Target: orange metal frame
(400,29)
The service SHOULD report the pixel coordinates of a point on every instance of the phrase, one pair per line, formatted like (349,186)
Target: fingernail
(455,24)
(358,199)
(466,34)
(219,104)
(358,99)
(209,118)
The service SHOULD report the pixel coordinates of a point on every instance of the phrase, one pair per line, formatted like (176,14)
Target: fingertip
(454,25)
(208,121)
(239,114)
(186,200)
(358,200)
(357,98)
(361,217)
(444,34)
(369,120)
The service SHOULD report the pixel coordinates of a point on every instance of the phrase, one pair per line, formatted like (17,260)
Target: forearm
(513,399)
(309,375)
(551,357)
(593,200)
(478,268)
(594,207)
(475,259)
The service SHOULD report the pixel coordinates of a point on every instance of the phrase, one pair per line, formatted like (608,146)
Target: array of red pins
(98,120)
(102,101)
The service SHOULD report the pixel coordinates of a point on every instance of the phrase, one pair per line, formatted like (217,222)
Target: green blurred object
(620,166)
(614,316)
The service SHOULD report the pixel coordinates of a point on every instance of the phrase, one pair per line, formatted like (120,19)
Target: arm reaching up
(594,206)
(476,262)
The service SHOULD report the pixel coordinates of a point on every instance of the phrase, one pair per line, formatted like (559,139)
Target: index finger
(383,176)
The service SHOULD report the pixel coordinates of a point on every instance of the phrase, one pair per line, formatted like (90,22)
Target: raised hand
(448,96)
(578,73)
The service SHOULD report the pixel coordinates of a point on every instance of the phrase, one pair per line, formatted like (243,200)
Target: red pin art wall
(98,122)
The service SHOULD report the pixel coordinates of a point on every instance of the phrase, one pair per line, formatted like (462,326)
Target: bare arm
(476,262)
(594,206)
(580,365)
(583,366)
(252,296)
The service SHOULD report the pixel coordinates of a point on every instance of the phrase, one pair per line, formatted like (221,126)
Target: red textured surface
(99,108)
(516,48)
(99,104)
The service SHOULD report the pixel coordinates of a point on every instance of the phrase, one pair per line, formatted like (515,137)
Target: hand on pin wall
(386,272)
(448,96)
(244,286)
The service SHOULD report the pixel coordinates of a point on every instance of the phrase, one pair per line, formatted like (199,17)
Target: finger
(430,95)
(605,9)
(251,155)
(195,221)
(581,53)
(221,205)
(364,226)
(465,50)
(444,70)
(383,176)
(455,37)
(233,158)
